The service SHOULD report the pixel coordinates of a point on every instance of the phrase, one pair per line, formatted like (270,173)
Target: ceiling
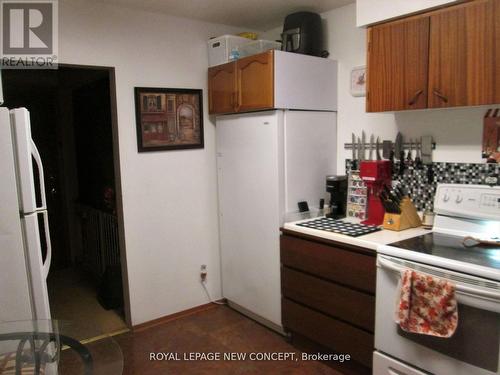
(259,15)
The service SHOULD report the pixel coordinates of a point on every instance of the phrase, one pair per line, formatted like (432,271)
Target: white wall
(372,11)
(457,132)
(169,197)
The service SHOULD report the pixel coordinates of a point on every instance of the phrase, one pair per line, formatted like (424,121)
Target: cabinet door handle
(440,96)
(415,97)
(236,100)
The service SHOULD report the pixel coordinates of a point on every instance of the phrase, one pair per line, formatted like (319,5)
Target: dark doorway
(71,111)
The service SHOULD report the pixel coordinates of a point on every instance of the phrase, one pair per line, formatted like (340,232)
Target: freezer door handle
(48,245)
(38,161)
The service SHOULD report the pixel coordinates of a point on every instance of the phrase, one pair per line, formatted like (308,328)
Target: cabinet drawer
(332,263)
(336,335)
(352,306)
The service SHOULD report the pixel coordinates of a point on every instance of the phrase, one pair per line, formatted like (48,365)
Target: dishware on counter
(428,219)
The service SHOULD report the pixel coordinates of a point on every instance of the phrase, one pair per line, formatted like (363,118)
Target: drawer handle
(415,97)
(440,96)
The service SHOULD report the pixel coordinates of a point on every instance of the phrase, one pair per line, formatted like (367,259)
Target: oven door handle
(460,288)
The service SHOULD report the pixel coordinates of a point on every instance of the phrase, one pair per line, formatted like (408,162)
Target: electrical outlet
(203,273)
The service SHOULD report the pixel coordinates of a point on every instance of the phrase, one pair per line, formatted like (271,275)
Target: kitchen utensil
(406,217)
(378,149)
(354,165)
(418,158)
(398,146)
(426,145)
(372,146)
(386,149)
(430,174)
(390,202)
(409,160)
(360,150)
(363,142)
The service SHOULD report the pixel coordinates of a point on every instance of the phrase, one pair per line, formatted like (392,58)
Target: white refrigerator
(24,226)
(266,162)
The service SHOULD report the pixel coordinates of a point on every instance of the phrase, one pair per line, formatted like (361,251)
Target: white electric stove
(474,349)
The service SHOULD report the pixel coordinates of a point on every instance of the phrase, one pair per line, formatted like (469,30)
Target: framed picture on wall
(358,81)
(168,119)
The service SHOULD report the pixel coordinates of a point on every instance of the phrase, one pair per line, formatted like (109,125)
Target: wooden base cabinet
(273,79)
(328,294)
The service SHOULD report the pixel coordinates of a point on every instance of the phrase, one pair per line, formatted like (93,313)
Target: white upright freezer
(24,227)
(267,162)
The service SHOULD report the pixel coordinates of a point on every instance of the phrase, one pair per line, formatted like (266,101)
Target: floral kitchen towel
(427,305)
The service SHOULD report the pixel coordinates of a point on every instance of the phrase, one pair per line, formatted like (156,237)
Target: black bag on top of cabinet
(302,33)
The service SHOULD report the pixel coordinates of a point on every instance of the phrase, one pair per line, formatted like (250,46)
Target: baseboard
(175,316)
(256,317)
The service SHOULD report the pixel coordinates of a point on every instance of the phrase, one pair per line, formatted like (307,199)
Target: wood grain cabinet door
(255,82)
(397,65)
(222,88)
(464,61)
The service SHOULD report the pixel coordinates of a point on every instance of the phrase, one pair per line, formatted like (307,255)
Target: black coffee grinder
(337,187)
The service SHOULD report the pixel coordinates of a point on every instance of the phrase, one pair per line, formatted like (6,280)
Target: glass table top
(47,347)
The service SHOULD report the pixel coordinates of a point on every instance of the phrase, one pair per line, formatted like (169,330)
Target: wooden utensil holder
(408,218)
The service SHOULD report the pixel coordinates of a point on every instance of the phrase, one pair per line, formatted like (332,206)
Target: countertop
(369,241)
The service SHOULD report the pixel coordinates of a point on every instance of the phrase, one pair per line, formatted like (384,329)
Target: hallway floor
(218,329)
(74,299)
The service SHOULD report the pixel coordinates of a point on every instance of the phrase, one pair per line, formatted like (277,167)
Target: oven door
(473,349)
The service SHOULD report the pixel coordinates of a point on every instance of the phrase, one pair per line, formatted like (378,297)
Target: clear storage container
(221,48)
(257,46)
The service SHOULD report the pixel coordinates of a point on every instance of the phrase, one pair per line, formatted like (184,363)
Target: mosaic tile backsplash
(422,190)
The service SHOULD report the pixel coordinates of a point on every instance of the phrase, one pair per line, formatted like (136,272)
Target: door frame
(118,184)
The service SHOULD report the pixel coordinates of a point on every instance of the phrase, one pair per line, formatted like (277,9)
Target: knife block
(408,218)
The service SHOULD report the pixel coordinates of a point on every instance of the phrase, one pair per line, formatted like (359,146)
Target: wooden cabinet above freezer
(444,58)
(273,79)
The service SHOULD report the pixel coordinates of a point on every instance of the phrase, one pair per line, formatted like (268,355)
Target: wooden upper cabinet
(397,65)
(222,88)
(255,82)
(445,58)
(273,79)
(464,63)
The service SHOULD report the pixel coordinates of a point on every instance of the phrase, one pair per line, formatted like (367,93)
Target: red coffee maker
(375,174)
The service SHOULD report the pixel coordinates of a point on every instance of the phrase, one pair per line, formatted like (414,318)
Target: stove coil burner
(339,226)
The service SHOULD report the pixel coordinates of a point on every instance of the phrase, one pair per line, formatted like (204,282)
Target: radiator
(100,246)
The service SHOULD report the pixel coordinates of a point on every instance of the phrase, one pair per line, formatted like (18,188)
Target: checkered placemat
(339,226)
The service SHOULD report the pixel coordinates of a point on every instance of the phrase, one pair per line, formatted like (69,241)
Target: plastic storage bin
(257,46)
(220,48)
